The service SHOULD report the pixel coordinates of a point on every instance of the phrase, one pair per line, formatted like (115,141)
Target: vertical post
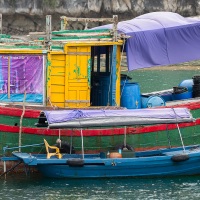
(59,133)
(4,167)
(115,22)
(107,59)
(113,77)
(8,77)
(21,118)
(98,59)
(1,23)
(170,146)
(124,136)
(71,142)
(44,81)
(82,143)
(62,25)
(48,30)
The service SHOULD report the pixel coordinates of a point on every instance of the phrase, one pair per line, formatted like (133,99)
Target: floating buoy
(115,155)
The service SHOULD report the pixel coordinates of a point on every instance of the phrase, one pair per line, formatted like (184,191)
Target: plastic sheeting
(160,38)
(102,118)
(26,74)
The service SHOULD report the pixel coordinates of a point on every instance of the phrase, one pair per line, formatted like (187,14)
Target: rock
(30,15)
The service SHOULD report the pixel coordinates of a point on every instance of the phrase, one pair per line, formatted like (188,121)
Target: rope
(11,169)
(179,130)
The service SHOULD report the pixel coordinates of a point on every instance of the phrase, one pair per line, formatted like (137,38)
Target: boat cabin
(65,68)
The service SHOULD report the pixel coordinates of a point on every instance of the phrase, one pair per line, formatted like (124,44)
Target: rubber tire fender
(75,162)
(121,146)
(180,157)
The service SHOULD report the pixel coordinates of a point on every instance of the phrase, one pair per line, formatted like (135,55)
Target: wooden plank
(58,71)
(60,80)
(82,34)
(74,19)
(57,97)
(77,101)
(57,63)
(57,89)
(59,57)
(79,53)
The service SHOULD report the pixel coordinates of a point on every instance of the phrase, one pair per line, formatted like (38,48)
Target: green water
(38,188)
(155,80)
(172,188)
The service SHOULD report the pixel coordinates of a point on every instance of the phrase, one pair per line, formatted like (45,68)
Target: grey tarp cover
(102,118)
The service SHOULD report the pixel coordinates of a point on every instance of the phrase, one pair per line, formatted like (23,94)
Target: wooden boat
(164,162)
(119,163)
(59,54)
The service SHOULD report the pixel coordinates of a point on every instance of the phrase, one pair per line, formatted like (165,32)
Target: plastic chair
(57,153)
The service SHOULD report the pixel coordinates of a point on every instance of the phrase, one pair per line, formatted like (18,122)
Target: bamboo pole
(1,27)
(82,34)
(21,118)
(74,19)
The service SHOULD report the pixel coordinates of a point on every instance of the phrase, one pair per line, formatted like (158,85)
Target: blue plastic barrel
(188,84)
(152,101)
(167,96)
(184,95)
(181,93)
(130,96)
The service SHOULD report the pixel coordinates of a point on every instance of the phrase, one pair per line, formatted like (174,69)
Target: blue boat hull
(137,168)
(166,162)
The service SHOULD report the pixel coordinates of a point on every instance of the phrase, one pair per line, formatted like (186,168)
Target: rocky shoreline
(24,16)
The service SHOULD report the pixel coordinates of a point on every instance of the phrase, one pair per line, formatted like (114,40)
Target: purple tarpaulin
(160,38)
(91,118)
(26,74)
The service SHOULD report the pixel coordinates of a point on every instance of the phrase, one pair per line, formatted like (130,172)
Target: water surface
(38,187)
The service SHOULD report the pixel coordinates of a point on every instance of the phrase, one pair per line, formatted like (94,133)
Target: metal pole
(4,168)
(125,136)
(71,142)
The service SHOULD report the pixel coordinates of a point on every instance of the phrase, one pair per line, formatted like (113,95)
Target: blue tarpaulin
(160,38)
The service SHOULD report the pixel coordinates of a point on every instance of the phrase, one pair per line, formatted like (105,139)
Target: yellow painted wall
(56,79)
(69,76)
(77,81)
(68,81)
